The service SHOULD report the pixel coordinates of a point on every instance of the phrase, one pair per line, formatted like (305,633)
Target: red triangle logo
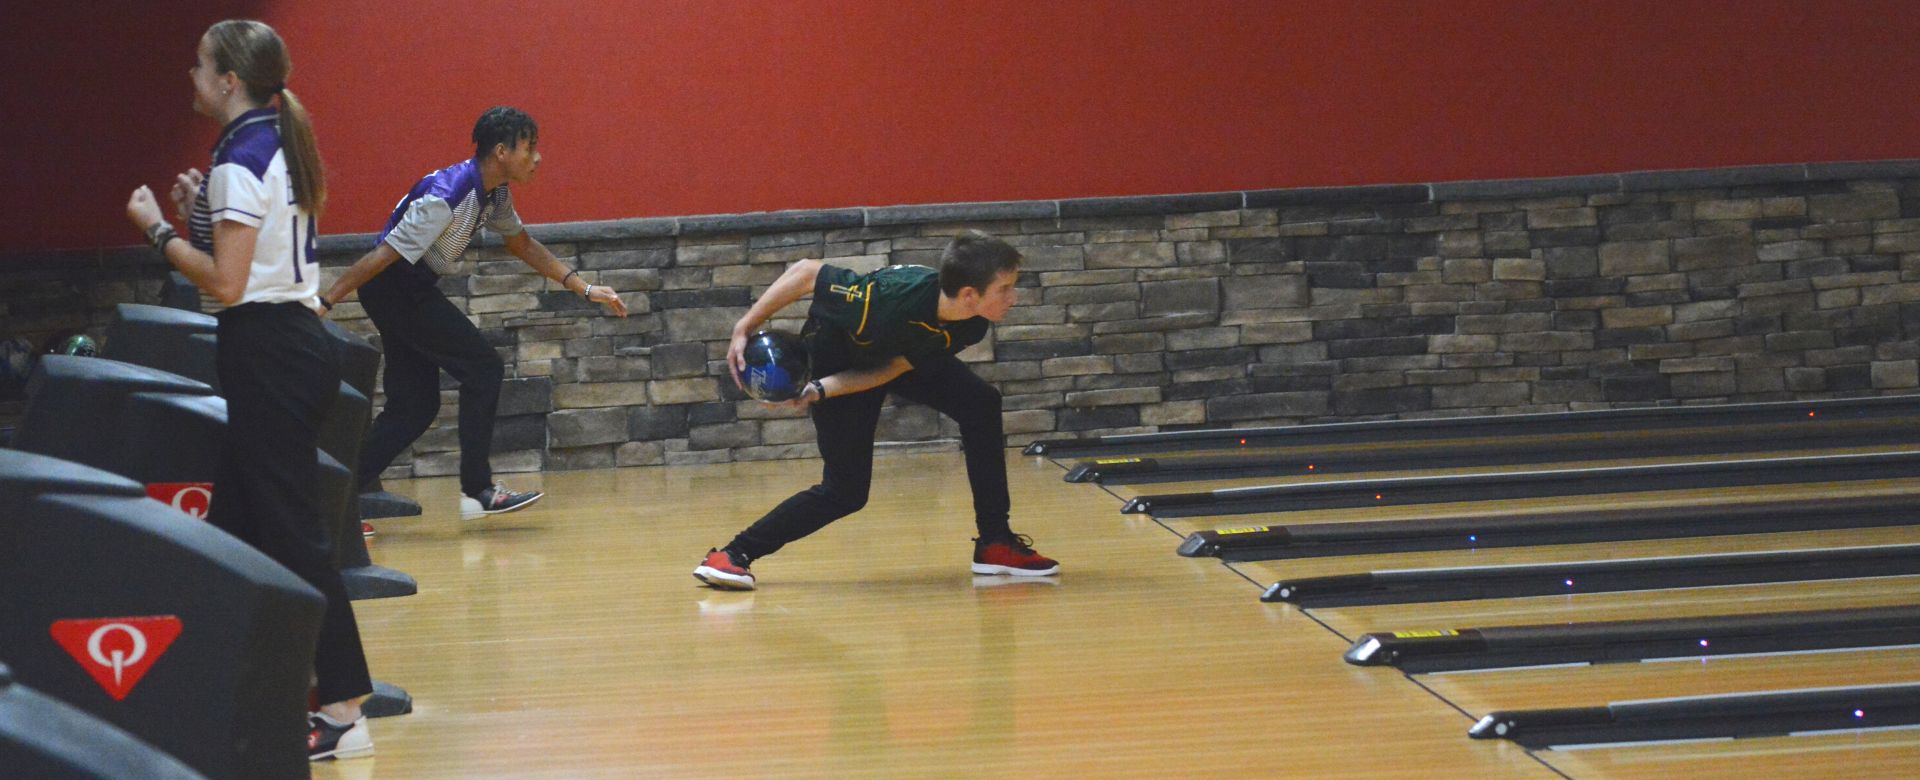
(117,651)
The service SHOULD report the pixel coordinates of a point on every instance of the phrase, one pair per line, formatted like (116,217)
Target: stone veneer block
(1525,188)
(1711,178)
(1897,374)
(1365,194)
(962,212)
(1150,204)
(526,396)
(1876,169)
(582,427)
(771,221)
(575,396)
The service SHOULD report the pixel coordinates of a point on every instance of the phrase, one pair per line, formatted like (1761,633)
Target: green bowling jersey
(861,321)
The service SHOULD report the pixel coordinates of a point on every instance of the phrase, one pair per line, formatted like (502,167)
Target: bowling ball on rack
(72,343)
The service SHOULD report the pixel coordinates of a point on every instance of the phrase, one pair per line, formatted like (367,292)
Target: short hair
(973,259)
(502,125)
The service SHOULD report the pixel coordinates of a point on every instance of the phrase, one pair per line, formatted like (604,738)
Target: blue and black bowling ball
(777,367)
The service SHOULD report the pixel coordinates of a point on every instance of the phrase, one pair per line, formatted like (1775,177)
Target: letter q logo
(117,652)
(193,498)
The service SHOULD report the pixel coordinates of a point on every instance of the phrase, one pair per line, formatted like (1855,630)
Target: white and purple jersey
(249,184)
(433,225)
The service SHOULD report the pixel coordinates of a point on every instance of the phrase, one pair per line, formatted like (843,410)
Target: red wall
(703,106)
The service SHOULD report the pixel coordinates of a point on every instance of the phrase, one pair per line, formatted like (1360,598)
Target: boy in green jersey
(896,330)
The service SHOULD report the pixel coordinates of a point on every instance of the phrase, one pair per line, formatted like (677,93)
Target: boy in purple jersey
(422,332)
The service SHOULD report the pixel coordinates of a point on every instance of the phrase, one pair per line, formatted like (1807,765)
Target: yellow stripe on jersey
(942,331)
(865,304)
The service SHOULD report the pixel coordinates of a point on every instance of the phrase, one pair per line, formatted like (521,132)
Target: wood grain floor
(569,640)
(1882,754)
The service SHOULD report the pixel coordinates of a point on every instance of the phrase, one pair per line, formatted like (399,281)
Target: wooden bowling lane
(1885,754)
(1632,605)
(1868,754)
(569,640)
(1481,692)
(1893,489)
(1570,462)
(1420,442)
(1889,754)
(1268,572)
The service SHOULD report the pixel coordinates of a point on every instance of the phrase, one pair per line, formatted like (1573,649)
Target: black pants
(279,375)
(845,427)
(421,333)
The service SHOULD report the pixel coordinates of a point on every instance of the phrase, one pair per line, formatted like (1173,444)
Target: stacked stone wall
(1215,309)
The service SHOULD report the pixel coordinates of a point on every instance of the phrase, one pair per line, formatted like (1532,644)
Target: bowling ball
(777,367)
(76,344)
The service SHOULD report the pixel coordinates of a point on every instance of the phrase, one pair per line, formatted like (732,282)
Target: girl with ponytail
(251,221)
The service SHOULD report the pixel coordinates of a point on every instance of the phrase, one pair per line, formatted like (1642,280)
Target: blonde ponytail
(303,154)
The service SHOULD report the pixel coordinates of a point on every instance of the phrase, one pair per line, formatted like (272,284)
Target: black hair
(973,259)
(502,125)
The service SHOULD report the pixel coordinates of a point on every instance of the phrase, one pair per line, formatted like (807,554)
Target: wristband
(325,304)
(570,274)
(587,292)
(159,234)
(819,389)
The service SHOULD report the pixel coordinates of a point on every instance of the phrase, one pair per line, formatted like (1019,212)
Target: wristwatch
(819,390)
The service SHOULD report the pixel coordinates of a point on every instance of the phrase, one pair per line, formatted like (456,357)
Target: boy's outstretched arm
(541,260)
